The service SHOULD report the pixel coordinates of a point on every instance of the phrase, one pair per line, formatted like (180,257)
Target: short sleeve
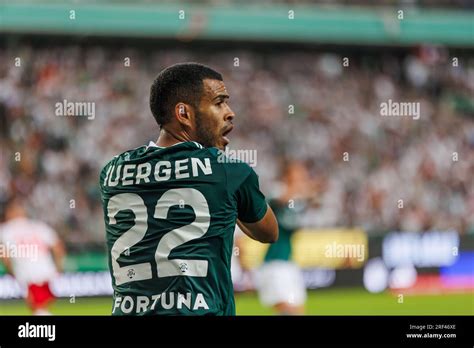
(251,204)
(48,235)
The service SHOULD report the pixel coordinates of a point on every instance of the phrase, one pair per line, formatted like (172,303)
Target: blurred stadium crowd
(302,105)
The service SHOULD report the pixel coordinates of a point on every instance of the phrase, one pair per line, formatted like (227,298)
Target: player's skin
(209,124)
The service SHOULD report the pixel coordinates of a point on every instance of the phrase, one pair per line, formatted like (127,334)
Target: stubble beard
(204,135)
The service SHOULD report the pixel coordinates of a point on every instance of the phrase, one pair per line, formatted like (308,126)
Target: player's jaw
(210,135)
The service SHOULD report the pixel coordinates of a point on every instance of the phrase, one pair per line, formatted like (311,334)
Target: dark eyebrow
(221,96)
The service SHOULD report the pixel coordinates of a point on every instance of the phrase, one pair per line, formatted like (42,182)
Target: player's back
(170,216)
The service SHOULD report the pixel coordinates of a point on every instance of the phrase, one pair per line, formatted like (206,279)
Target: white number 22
(165,267)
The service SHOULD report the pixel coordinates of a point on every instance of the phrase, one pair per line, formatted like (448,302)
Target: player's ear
(184,113)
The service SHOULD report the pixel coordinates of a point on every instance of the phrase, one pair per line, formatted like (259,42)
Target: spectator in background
(33,254)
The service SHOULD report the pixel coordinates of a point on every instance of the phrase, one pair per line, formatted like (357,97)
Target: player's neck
(167,138)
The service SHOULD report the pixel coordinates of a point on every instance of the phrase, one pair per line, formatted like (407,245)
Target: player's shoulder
(230,162)
(126,156)
(236,170)
(218,158)
(122,158)
(44,229)
(26,224)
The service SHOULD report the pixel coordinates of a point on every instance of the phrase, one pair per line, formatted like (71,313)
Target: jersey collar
(153,144)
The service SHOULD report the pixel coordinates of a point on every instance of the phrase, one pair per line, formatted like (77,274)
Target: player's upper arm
(55,244)
(264,230)
(254,213)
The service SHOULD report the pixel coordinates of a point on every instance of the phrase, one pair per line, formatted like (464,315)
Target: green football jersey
(170,215)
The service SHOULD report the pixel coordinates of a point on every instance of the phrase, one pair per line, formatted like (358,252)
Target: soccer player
(170,207)
(279,281)
(34,255)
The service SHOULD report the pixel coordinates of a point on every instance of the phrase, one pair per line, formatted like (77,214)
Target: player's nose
(229,116)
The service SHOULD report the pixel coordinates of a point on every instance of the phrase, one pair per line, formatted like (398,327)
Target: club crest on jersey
(131,273)
(183,267)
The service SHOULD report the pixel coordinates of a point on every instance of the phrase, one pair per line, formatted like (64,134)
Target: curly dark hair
(178,83)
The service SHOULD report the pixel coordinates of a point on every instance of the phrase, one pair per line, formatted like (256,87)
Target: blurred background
(307,80)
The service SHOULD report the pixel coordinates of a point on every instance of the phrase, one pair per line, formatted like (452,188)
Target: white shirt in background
(27,243)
